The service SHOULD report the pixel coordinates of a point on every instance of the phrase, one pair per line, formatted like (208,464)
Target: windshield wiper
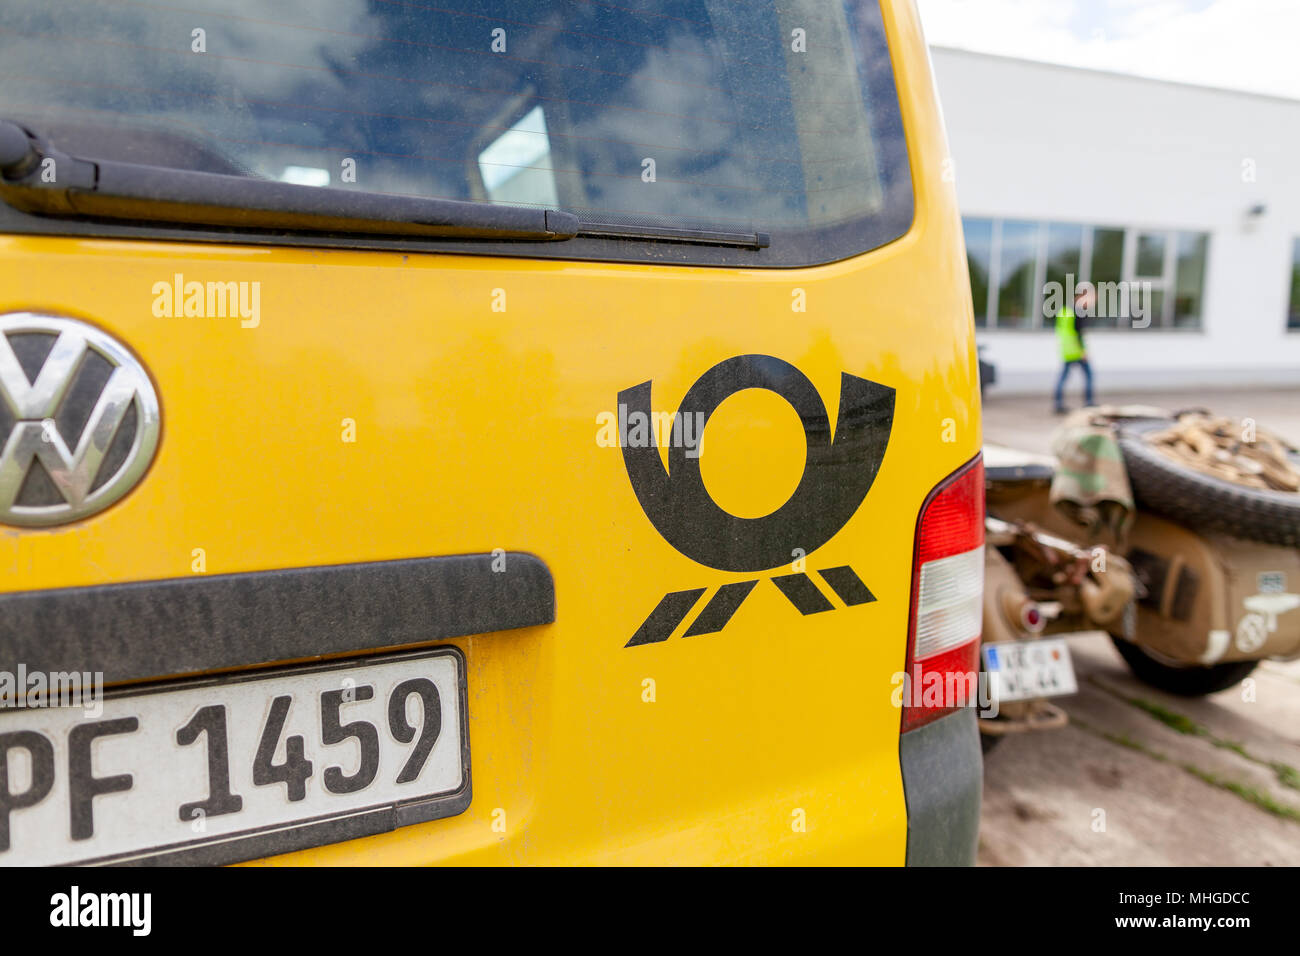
(37,178)
(669,233)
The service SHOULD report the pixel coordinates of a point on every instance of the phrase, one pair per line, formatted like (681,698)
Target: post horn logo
(79,419)
(838,473)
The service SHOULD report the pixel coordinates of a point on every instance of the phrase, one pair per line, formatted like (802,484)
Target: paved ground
(1174,781)
(1026,421)
(1209,781)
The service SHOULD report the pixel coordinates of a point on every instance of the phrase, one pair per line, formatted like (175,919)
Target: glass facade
(1107,264)
(979,253)
(1017,270)
(1021,269)
(1189,279)
(1293,313)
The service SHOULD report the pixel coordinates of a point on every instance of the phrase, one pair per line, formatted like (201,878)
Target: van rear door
(514,427)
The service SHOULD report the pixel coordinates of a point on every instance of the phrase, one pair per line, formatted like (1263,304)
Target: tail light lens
(947,598)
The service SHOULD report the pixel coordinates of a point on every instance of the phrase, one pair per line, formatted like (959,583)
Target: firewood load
(1213,473)
(1229,449)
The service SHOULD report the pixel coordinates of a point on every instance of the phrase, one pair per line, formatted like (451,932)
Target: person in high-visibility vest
(1069,341)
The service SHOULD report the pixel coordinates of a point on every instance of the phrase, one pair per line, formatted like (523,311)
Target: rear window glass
(773,117)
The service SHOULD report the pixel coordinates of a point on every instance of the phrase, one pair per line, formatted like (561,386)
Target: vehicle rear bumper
(943,777)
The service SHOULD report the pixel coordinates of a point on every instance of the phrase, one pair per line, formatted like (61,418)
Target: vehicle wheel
(1201,501)
(1189,681)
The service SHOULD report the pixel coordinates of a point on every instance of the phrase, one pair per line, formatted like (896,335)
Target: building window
(1153,278)
(1189,280)
(1293,314)
(979,252)
(1064,260)
(1017,272)
(1107,265)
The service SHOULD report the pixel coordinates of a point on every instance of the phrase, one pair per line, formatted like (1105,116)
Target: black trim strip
(1013,473)
(181,626)
(802,593)
(943,783)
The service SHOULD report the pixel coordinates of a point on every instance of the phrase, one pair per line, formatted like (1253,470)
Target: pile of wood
(1233,450)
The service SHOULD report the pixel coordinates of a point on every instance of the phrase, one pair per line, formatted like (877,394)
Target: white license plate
(1020,670)
(235,768)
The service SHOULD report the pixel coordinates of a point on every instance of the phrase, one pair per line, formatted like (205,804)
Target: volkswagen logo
(79,420)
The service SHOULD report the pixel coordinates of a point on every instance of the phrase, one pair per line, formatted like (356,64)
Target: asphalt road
(1026,421)
(1140,777)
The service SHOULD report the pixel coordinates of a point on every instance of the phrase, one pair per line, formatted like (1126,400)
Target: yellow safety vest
(1067,337)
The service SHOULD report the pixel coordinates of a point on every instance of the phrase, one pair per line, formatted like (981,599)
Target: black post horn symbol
(838,473)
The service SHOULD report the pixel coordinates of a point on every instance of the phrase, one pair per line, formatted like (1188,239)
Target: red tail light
(947,598)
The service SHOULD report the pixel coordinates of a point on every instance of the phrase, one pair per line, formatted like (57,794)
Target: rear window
(777,120)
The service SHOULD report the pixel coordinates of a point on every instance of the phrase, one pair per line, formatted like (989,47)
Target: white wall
(1037,141)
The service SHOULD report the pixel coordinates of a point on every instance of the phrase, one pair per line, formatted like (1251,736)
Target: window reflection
(1189,279)
(1150,255)
(516,167)
(563,108)
(1017,291)
(979,253)
(1064,258)
(1293,315)
(1107,266)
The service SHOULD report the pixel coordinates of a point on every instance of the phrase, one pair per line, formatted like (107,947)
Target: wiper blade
(37,178)
(666,233)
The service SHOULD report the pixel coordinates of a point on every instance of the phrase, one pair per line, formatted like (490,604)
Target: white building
(1193,190)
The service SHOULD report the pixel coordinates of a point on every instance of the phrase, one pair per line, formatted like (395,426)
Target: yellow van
(542,432)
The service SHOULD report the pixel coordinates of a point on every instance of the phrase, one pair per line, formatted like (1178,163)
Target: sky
(1236,44)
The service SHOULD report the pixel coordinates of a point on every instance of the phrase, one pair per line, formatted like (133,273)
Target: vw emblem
(79,420)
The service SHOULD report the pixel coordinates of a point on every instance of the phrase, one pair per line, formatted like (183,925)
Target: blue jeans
(1087,381)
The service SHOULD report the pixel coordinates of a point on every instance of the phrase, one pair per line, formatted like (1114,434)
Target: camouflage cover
(1091,486)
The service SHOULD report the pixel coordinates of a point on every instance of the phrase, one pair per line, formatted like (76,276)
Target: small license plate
(1020,670)
(215,771)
